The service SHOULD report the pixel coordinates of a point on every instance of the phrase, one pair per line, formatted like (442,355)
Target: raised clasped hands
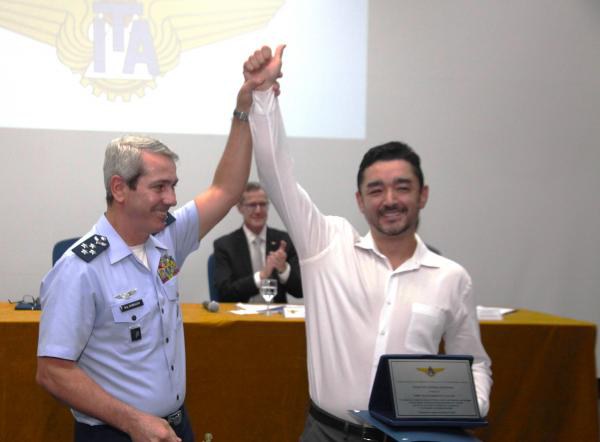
(261,71)
(149,428)
(264,68)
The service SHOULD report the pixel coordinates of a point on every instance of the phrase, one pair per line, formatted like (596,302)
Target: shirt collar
(421,257)
(119,249)
(251,236)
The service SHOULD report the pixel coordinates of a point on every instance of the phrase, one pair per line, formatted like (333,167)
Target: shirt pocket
(130,311)
(171,306)
(131,330)
(425,328)
(171,289)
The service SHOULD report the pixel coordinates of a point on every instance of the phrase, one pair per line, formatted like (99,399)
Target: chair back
(212,290)
(61,247)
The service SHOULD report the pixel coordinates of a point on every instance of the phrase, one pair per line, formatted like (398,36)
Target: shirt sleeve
(275,170)
(68,310)
(464,337)
(185,231)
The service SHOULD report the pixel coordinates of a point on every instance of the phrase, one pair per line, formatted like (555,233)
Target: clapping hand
(276,260)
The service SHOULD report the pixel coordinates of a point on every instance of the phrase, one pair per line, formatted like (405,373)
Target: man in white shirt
(382,293)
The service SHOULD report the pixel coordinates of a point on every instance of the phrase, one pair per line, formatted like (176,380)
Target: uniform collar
(421,257)
(119,249)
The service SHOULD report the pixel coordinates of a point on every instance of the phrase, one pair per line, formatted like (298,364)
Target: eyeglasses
(254,206)
(28,302)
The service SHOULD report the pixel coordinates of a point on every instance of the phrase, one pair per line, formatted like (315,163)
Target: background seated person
(255,252)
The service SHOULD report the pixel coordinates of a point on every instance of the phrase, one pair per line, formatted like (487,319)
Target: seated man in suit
(255,252)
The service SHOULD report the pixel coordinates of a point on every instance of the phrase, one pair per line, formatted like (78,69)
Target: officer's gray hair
(123,157)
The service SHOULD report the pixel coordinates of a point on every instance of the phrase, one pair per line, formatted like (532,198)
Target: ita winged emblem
(430,371)
(120,47)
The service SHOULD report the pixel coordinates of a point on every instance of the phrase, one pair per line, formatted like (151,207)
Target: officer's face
(147,205)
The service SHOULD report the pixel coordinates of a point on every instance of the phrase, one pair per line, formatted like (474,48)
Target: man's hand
(148,428)
(244,98)
(276,259)
(279,257)
(265,68)
(69,383)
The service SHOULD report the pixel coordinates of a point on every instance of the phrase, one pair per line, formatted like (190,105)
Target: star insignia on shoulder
(92,247)
(170,219)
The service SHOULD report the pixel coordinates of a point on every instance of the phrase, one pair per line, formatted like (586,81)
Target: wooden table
(247,378)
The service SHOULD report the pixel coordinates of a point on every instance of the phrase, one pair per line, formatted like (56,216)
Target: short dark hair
(394,150)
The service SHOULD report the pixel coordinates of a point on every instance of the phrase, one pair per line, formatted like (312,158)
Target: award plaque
(425,390)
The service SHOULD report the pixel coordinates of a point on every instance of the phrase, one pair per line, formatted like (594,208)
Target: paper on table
(243,312)
(485,313)
(293,311)
(255,309)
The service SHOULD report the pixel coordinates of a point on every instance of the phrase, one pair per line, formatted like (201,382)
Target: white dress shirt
(251,237)
(357,306)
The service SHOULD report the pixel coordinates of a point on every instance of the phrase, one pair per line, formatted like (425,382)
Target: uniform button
(133,318)
(172,368)
(177,397)
(162,310)
(167,340)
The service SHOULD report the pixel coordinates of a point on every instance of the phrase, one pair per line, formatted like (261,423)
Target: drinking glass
(268,290)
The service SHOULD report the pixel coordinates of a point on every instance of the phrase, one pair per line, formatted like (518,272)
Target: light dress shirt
(357,306)
(251,237)
(90,313)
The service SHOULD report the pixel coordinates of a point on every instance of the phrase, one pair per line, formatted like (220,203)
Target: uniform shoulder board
(170,219)
(91,247)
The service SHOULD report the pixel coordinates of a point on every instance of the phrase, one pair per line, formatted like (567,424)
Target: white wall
(502,100)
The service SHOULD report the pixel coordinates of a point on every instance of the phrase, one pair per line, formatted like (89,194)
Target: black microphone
(211,306)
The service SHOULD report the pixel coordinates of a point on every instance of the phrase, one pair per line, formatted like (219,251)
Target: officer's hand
(150,428)
(264,67)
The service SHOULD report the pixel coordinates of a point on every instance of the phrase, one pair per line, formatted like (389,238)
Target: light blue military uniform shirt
(119,320)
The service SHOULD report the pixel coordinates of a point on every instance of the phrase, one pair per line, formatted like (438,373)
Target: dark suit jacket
(234,279)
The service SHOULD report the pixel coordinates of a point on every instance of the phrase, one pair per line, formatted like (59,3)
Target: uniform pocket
(130,310)
(171,289)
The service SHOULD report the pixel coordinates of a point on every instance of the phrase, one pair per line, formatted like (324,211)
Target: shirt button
(162,310)
(382,332)
(133,318)
(167,340)
(177,397)
(172,368)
